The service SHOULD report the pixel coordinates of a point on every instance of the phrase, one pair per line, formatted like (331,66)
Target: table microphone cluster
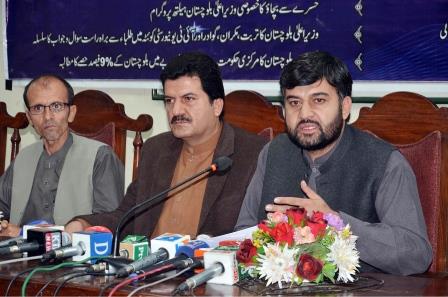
(100,249)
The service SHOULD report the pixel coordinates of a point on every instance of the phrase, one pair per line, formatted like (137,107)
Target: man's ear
(28,116)
(218,106)
(72,113)
(346,107)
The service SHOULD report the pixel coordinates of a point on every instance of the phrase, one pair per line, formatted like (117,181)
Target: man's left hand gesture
(314,203)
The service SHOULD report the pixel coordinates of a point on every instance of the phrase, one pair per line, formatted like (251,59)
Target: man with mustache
(194,102)
(65,174)
(324,164)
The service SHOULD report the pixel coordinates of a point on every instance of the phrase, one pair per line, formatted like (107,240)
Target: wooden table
(431,284)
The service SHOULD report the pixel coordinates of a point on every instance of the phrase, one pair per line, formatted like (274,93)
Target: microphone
(159,255)
(190,247)
(219,165)
(183,259)
(38,224)
(39,241)
(198,279)
(221,267)
(134,247)
(20,248)
(177,263)
(95,244)
(65,252)
(12,241)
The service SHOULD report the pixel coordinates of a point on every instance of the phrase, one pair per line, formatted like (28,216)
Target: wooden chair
(16,123)
(100,118)
(419,129)
(251,111)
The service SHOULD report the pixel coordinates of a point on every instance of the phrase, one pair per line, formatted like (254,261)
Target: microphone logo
(52,241)
(141,252)
(101,248)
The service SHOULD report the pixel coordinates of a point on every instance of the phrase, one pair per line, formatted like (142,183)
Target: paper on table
(237,235)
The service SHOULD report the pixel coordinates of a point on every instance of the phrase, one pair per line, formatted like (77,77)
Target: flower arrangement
(293,247)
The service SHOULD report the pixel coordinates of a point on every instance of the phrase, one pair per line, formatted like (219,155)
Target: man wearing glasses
(65,174)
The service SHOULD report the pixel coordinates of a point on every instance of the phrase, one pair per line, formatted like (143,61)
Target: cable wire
(40,292)
(106,287)
(16,277)
(51,268)
(20,260)
(137,277)
(62,284)
(159,281)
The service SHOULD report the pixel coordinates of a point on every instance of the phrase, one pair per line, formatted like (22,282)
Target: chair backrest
(419,129)
(19,121)
(251,111)
(99,117)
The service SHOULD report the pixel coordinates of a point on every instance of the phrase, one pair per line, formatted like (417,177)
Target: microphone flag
(134,247)
(169,241)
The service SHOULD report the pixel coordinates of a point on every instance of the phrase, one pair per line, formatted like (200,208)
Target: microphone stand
(152,201)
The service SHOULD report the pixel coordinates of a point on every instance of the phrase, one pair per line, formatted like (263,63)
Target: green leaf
(319,278)
(317,250)
(329,270)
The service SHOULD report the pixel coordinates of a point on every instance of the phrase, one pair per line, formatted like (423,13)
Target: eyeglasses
(53,107)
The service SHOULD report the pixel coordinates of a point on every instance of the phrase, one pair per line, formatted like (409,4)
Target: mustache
(49,123)
(308,121)
(180,118)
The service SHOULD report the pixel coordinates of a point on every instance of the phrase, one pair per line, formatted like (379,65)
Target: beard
(327,135)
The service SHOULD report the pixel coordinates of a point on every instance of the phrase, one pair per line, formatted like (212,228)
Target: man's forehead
(318,87)
(187,78)
(183,85)
(43,87)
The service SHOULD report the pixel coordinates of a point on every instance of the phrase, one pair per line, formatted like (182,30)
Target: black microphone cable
(51,268)
(131,279)
(80,274)
(106,287)
(41,290)
(14,279)
(167,265)
(158,281)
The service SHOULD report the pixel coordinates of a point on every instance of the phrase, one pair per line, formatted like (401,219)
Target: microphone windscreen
(135,247)
(190,247)
(97,244)
(222,163)
(170,242)
(48,239)
(228,260)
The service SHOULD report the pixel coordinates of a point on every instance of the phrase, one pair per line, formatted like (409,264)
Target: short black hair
(200,65)
(314,66)
(68,87)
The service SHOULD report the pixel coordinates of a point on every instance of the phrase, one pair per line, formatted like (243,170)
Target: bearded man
(324,164)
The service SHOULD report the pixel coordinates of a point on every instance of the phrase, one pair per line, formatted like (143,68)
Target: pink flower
(277,217)
(303,235)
